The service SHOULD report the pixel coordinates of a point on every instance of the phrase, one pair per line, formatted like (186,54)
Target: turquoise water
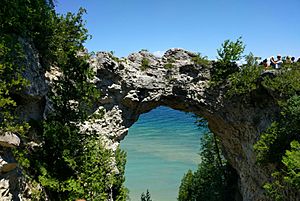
(161,146)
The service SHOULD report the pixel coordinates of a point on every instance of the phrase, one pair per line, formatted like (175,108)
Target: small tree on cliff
(228,54)
(231,51)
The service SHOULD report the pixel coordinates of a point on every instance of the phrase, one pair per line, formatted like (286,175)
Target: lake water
(161,146)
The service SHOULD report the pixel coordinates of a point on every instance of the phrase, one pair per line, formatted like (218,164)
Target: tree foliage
(68,163)
(245,80)
(286,83)
(279,145)
(12,84)
(231,51)
(228,55)
(186,191)
(145,64)
(146,197)
(214,179)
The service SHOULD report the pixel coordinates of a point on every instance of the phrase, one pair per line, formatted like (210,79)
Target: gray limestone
(9,140)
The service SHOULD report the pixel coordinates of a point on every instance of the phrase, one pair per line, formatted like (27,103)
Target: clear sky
(268,27)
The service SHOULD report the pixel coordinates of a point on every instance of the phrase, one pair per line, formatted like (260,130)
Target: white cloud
(158,53)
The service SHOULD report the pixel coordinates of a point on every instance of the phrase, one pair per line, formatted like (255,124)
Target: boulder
(9,140)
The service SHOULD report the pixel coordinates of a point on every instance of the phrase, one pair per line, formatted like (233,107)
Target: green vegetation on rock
(228,54)
(145,64)
(245,80)
(279,144)
(12,84)
(201,60)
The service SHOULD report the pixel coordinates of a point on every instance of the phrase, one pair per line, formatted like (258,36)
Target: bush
(145,64)
(201,60)
(286,83)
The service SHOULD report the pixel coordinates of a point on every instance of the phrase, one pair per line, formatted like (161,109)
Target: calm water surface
(161,146)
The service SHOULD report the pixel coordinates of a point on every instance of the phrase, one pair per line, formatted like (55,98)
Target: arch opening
(161,147)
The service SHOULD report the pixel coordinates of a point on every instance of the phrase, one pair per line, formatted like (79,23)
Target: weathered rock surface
(31,106)
(9,140)
(7,162)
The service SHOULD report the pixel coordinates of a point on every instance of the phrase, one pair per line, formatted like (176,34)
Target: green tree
(228,54)
(69,163)
(279,145)
(251,60)
(246,79)
(186,190)
(214,179)
(286,82)
(146,197)
(231,51)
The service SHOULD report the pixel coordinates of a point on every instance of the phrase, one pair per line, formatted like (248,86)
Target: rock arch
(137,84)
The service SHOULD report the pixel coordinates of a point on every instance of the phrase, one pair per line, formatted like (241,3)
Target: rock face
(31,106)
(142,82)
(130,88)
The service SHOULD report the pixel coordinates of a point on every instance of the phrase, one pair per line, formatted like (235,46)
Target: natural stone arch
(128,91)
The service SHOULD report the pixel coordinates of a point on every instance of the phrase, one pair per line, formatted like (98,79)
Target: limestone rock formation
(130,88)
(9,140)
(31,106)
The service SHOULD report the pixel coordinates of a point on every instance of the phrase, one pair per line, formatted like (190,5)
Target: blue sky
(268,27)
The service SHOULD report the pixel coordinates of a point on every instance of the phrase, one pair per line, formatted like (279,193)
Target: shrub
(168,66)
(286,82)
(145,64)
(201,60)
(12,84)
